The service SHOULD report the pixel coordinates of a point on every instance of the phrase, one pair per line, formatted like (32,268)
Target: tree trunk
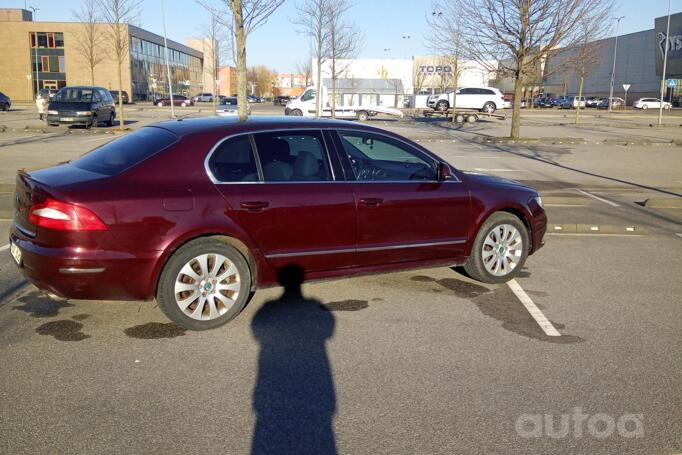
(333,93)
(580,96)
(516,108)
(121,117)
(241,59)
(92,75)
(318,97)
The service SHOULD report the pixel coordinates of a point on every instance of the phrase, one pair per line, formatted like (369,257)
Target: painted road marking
(605,201)
(4,247)
(534,311)
(98,139)
(474,156)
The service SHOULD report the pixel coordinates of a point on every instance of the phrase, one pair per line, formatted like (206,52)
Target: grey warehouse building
(639,62)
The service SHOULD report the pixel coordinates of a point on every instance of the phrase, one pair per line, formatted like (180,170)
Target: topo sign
(435,69)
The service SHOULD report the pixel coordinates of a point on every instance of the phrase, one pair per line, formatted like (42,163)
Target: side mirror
(443,172)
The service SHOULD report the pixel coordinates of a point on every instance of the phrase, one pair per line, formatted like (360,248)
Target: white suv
(484,99)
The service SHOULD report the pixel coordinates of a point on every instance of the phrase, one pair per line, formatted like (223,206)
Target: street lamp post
(35,34)
(665,61)
(613,71)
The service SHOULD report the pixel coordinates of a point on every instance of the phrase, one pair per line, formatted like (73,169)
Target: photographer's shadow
(294,398)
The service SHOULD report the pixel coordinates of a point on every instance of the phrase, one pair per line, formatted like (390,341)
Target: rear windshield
(120,154)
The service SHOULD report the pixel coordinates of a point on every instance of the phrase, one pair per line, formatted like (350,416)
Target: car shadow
(294,398)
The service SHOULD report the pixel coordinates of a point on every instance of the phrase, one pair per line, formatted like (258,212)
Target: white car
(650,103)
(204,98)
(572,102)
(227,107)
(484,99)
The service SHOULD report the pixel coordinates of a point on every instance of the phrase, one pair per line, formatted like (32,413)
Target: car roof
(187,126)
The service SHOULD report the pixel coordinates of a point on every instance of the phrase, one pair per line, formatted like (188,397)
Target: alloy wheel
(502,250)
(207,286)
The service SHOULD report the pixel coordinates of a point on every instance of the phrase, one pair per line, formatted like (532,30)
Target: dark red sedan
(178,100)
(198,213)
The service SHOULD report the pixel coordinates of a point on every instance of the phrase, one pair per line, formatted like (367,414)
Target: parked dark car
(114,95)
(170,211)
(618,103)
(178,100)
(81,105)
(5,102)
(544,103)
(281,100)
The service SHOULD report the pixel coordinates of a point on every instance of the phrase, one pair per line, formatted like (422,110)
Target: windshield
(75,95)
(228,102)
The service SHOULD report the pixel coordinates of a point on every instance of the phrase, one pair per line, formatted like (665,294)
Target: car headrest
(306,164)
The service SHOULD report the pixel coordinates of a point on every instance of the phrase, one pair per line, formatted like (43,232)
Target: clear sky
(278,45)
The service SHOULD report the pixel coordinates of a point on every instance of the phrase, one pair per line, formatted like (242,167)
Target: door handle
(371,201)
(254,206)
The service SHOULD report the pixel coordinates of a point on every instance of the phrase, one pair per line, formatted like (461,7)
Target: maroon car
(198,213)
(178,100)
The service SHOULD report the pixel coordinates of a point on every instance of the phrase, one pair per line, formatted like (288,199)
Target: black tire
(5,107)
(165,293)
(93,122)
(442,106)
(363,116)
(475,267)
(489,107)
(296,113)
(110,122)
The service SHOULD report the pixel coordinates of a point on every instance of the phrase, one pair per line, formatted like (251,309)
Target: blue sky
(279,46)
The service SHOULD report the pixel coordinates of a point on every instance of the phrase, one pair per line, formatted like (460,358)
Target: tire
(92,123)
(442,106)
(489,107)
(237,278)
(471,119)
(160,104)
(296,113)
(645,107)
(482,269)
(183,104)
(363,116)
(667,107)
(5,107)
(459,118)
(110,122)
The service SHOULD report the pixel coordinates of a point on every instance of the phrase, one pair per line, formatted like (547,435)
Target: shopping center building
(39,55)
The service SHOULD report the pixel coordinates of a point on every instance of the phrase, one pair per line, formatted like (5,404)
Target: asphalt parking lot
(416,362)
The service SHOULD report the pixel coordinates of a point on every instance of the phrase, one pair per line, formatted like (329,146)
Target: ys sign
(673,42)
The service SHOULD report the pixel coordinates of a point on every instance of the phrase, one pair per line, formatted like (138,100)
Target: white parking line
(474,157)
(605,201)
(534,311)
(4,247)
(98,139)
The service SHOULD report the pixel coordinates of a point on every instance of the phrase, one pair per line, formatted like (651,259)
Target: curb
(46,130)
(664,203)
(595,229)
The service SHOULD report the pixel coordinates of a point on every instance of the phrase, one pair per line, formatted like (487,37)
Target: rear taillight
(53,214)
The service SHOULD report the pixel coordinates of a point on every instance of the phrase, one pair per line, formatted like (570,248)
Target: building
(289,84)
(638,66)
(227,80)
(39,55)
(209,49)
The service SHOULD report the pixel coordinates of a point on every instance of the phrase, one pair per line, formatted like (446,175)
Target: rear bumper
(91,274)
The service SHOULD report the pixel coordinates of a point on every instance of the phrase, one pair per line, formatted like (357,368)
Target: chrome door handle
(254,206)
(371,201)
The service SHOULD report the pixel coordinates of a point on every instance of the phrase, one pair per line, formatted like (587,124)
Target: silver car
(227,107)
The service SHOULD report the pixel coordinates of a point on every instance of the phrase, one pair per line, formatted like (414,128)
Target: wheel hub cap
(207,286)
(502,250)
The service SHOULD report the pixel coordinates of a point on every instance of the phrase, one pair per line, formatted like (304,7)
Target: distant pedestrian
(41,104)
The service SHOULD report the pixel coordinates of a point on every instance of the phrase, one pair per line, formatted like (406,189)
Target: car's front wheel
(499,250)
(442,106)
(489,107)
(204,284)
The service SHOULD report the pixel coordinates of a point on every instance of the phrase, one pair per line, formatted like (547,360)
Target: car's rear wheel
(363,116)
(93,122)
(489,107)
(110,122)
(160,104)
(183,104)
(205,284)
(644,107)
(5,107)
(442,106)
(499,250)
(296,113)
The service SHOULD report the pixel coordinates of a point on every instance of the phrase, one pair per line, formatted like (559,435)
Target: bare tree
(241,18)
(515,35)
(313,19)
(88,40)
(118,13)
(418,78)
(446,17)
(212,55)
(305,68)
(343,43)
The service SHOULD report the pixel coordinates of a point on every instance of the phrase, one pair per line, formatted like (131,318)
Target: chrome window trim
(455,179)
(365,249)
(256,156)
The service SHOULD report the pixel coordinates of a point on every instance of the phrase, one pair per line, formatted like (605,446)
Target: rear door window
(120,154)
(293,156)
(233,161)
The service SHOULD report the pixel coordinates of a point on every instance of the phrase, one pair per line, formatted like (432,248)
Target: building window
(42,40)
(50,40)
(62,65)
(44,64)
(59,40)
(32,39)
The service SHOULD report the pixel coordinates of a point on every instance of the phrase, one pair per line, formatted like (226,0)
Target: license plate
(16,253)
(66,119)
